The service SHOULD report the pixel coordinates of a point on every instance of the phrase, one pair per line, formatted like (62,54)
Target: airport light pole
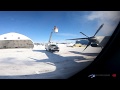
(55,29)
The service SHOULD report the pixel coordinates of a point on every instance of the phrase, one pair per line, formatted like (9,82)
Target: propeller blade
(84,34)
(98,29)
(76,38)
(87,45)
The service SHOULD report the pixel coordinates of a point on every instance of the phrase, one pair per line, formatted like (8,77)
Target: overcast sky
(38,25)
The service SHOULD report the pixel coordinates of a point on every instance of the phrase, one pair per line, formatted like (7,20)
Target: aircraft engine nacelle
(94,45)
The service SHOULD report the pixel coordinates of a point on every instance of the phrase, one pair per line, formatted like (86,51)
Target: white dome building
(15,40)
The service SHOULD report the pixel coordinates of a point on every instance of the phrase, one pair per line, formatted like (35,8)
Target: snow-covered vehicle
(51,47)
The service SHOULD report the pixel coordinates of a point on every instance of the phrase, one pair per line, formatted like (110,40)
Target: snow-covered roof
(13,36)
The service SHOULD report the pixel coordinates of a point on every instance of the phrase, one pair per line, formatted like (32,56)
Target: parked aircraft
(95,41)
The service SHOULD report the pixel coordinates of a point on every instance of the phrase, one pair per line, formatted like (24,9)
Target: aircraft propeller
(90,39)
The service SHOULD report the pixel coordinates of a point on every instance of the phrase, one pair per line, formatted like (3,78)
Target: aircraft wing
(77,38)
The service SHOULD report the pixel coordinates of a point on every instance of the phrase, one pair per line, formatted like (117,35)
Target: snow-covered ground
(37,63)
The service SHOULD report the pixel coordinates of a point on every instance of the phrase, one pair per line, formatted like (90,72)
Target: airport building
(15,40)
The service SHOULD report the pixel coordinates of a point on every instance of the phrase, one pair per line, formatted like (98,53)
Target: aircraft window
(79,35)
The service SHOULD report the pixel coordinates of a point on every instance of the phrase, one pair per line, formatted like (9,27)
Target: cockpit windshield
(25,37)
